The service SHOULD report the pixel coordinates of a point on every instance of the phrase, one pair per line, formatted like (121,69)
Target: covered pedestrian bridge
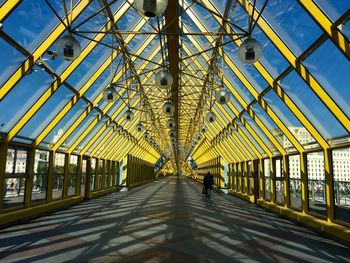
(112,111)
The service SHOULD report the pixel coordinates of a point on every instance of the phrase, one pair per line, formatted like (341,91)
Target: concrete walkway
(166,221)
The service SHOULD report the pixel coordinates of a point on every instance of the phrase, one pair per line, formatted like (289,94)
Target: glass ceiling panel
(287,117)
(271,126)
(249,136)
(107,142)
(32,21)
(46,113)
(287,18)
(19,100)
(333,8)
(331,69)
(244,143)
(10,60)
(346,30)
(81,128)
(220,5)
(64,124)
(90,64)
(129,20)
(312,107)
(259,132)
(92,133)
(93,146)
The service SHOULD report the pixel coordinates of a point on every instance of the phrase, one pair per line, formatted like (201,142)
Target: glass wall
(93,174)
(58,177)
(341,171)
(15,178)
(40,175)
(72,180)
(316,183)
(106,173)
(294,181)
(267,179)
(250,178)
(100,172)
(279,183)
(83,177)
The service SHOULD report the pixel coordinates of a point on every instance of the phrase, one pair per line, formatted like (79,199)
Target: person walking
(208,183)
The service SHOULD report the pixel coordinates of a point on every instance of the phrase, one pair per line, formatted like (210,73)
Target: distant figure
(208,182)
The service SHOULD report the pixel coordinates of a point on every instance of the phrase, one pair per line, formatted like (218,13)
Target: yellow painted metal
(303,177)
(110,146)
(326,24)
(329,175)
(40,50)
(79,175)
(7,8)
(300,69)
(3,161)
(286,181)
(239,146)
(63,77)
(95,137)
(99,145)
(121,144)
(84,89)
(30,173)
(66,175)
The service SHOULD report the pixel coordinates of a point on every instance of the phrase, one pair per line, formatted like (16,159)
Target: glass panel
(32,21)
(269,123)
(15,178)
(58,178)
(11,59)
(18,101)
(250,137)
(259,132)
(279,175)
(72,180)
(341,171)
(312,107)
(294,181)
(288,118)
(333,9)
(83,177)
(100,173)
(287,18)
(346,30)
(316,183)
(41,172)
(267,179)
(330,68)
(46,113)
(93,174)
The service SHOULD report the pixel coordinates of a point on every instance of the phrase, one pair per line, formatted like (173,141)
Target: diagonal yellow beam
(7,8)
(299,68)
(326,24)
(41,49)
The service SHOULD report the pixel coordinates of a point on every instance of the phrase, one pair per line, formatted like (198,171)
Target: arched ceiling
(295,98)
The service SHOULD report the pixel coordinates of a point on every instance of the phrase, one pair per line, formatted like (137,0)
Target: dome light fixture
(68,47)
(128,115)
(151,8)
(199,137)
(164,79)
(172,133)
(146,136)
(203,128)
(139,127)
(171,123)
(222,96)
(110,94)
(168,107)
(250,50)
(210,117)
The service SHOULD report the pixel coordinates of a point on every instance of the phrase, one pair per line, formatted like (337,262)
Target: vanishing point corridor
(166,221)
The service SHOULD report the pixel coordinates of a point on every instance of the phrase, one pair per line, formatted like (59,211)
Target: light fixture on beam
(250,50)
(151,8)
(68,47)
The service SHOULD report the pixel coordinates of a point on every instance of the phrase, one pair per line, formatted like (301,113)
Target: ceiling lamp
(151,8)
(168,107)
(210,117)
(171,124)
(173,139)
(68,47)
(110,94)
(164,79)
(139,127)
(222,96)
(145,135)
(250,51)
(128,115)
(203,128)
(172,133)
(199,137)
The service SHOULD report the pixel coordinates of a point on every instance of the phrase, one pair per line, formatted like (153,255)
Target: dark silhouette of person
(208,183)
